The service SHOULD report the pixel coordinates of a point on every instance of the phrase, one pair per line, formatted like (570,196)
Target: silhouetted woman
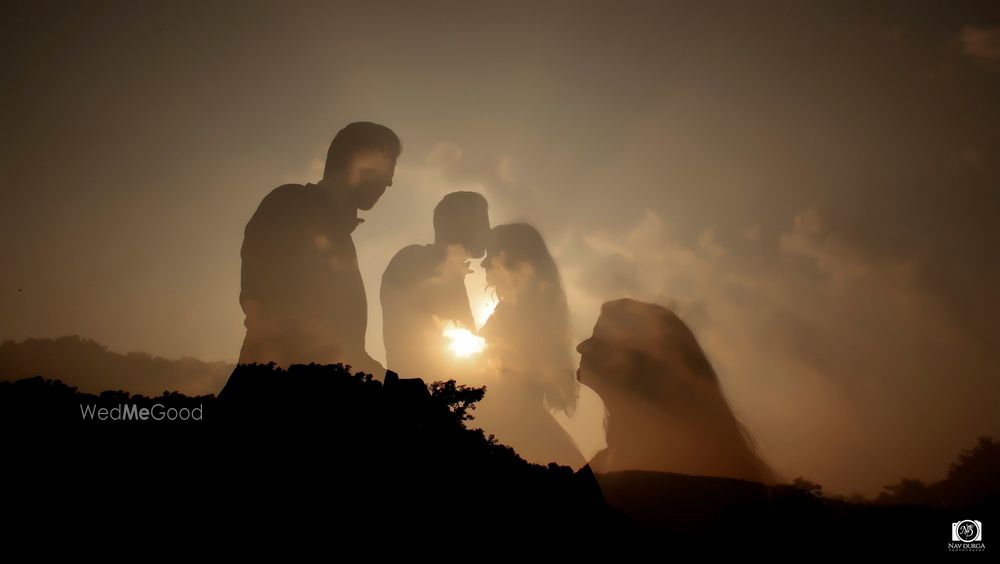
(527,349)
(666,410)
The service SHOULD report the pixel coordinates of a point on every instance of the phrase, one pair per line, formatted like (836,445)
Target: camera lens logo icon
(967,531)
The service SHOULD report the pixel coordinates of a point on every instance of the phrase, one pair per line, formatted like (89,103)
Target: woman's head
(645,349)
(519,267)
(643,359)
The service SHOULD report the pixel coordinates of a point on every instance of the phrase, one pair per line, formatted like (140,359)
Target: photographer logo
(966,536)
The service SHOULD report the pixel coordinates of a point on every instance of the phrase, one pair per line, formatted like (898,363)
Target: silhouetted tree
(808,486)
(460,399)
(909,491)
(973,478)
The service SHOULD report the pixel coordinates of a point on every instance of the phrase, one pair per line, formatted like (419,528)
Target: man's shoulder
(411,261)
(415,255)
(416,251)
(287,194)
(284,200)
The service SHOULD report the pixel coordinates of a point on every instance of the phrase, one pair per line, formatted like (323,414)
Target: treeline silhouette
(91,367)
(317,450)
(972,479)
(276,446)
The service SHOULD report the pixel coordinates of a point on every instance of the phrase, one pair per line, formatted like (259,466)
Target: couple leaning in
(304,301)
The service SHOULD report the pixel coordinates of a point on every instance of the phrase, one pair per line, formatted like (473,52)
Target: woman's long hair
(674,373)
(532,319)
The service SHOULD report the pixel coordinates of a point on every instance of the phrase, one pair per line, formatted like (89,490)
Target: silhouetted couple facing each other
(526,362)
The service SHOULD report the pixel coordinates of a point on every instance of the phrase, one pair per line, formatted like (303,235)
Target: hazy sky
(812,185)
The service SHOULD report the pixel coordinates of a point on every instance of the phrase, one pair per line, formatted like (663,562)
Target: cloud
(459,165)
(506,169)
(807,240)
(445,156)
(982,44)
(646,263)
(311,172)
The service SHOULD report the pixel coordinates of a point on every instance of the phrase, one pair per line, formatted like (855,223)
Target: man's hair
(450,212)
(358,136)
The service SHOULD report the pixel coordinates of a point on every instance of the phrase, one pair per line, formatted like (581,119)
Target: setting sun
(462,342)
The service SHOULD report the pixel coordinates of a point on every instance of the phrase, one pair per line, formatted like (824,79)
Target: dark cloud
(982,44)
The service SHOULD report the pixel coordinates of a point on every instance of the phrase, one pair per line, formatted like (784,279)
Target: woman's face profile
(606,359)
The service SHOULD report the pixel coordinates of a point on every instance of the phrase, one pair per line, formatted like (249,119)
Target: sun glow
(485,310)
(462,342)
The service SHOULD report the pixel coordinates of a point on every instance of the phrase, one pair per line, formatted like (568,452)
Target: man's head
(463,218)
(362,161)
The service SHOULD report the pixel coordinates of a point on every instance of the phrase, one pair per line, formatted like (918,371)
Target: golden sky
(813,186)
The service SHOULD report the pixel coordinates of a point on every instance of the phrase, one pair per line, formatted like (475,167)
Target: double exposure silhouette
(423,290)
(666,409)
(301,288)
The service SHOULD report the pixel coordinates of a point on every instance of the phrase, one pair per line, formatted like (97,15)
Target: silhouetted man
(302,291)
(423,289)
